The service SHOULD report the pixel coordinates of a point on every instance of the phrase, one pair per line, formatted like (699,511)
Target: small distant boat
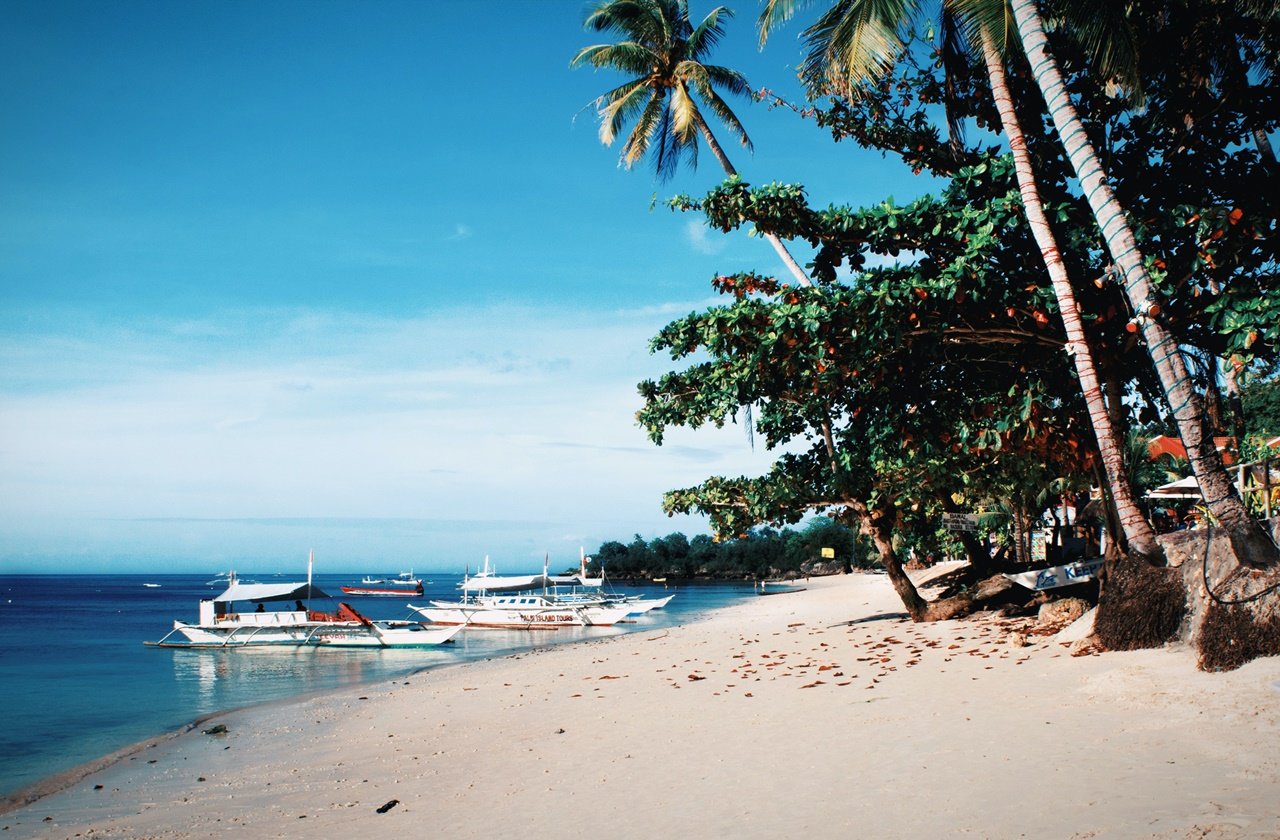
(403,584)
(221,626)
(777,587)
(151,585)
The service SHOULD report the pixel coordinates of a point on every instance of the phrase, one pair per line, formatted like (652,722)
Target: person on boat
(297,605)
(261,607)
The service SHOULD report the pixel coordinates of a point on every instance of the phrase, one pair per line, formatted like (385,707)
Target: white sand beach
(818,714)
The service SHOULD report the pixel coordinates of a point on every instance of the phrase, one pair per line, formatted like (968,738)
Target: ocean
(79,684)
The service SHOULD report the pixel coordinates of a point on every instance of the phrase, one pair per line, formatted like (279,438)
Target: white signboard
(960,521)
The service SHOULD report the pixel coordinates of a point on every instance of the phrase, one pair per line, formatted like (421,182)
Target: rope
(1204,572)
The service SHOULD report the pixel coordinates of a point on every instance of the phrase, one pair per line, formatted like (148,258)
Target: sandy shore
(810,714)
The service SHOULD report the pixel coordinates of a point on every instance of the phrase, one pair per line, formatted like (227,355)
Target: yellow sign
(829,553)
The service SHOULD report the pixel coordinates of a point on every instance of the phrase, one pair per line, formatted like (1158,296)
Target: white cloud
(703,239)
(460,231)
(463,415)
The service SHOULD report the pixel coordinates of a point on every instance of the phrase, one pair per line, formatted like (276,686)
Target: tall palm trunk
(1185,403)
(785,255)
(1137,530)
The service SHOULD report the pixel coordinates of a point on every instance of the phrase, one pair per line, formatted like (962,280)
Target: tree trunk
(1137,530)
(977,553)
(1021,554)
(789,261)
(1185,403)
(878,525)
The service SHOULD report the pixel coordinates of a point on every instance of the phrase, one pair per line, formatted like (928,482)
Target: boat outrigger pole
(311,558)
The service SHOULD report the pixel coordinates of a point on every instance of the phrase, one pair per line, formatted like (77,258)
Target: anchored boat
(403,584)
(525,610)
(510,602)
(222,625)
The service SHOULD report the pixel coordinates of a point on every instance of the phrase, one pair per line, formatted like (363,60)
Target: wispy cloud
(276,413)
(460,231)
(702,238)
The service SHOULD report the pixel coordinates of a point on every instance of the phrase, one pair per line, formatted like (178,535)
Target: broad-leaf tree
(893,392)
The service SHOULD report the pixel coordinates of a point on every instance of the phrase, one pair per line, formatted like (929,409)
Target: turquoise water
(78,682)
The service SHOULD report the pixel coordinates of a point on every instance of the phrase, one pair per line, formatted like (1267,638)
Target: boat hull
(396,592)
(527,617)
(329,634)
(640,606)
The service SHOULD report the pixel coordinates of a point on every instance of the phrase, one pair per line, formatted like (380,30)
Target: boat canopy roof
(503,583)
(270,592)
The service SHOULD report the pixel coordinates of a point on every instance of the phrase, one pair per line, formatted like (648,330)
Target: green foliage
(761,553)
(917,382)
(1261,402)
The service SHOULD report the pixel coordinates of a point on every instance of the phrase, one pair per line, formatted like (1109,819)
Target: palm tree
(858,39)
(1183,399)
(670,87)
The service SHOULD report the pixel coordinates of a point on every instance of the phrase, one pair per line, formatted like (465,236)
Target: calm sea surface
(78,683)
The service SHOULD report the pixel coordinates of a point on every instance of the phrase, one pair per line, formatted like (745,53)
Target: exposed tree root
(1140,606)
(994,591)
(1232,635)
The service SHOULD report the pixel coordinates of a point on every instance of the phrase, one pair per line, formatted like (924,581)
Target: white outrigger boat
(221,626)
(514,604)
(488,581)
(523,610)
(583,589)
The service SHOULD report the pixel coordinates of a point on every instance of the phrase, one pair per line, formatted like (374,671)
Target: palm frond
(684,115)
(708,33)
(731,81)
(631,18)
(669,150)
(776,13)
(642,133)
(980,19)
(854,41)
(953,54)
(626,57)
(1106,34)
(719,107)
(620,109)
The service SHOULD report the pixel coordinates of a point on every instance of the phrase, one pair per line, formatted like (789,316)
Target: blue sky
(350,276)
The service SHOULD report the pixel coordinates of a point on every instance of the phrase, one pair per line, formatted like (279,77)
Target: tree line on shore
(1100,257)
(762,554)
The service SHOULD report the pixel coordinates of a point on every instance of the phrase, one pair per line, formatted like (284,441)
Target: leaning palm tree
(1184,401)
(857,40)
(671,85)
